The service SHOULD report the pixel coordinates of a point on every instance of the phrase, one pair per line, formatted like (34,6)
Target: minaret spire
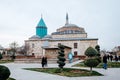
(67,20)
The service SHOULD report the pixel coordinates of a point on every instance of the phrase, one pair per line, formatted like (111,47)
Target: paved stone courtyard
(19,73)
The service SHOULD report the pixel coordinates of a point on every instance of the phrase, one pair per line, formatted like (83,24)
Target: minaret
(41,29)
(67,20)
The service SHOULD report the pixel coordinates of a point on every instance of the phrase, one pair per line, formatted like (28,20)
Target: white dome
(69,29)
(47,37)
(34,37)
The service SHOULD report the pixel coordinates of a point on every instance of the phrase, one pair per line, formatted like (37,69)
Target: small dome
(47,37)
(34,37)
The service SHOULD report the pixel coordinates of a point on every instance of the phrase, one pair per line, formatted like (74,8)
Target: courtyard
(19,73)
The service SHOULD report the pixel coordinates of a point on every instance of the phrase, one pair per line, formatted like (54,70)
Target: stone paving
(19,73)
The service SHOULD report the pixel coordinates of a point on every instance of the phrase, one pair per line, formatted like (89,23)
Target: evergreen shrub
(4,72)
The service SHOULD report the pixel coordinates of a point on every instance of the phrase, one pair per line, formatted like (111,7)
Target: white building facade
(69,35)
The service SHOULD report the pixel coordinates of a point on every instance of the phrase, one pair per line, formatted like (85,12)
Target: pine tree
(61,59)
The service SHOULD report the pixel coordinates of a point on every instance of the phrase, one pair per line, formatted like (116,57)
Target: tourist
(116,58)
(44,61)
(108,56)
(119,58)
(111,57)
(105,61)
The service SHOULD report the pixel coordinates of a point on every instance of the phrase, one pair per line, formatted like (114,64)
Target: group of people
(105,58)
(109,57)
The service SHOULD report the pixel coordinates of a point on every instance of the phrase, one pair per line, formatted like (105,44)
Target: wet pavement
(19,73)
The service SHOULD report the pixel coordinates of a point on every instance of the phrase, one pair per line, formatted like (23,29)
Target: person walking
(105,61)
(111,57)
(43,62)
(119,58)
(108,57)
(116,58)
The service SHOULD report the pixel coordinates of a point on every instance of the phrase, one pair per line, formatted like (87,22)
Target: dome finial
(67,20)
(41,15)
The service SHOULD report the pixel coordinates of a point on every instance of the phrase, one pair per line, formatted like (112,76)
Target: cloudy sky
(100,18)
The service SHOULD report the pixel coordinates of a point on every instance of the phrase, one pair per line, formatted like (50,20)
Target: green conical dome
(41,23)
(41,29)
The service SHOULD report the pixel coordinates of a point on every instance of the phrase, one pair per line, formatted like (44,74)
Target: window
(59,43)
(75,53)
(33,45)
(75,45)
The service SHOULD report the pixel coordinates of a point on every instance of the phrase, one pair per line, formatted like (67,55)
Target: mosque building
(73,37)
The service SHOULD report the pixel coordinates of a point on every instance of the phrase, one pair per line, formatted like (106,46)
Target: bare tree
(24,49)
(13,49)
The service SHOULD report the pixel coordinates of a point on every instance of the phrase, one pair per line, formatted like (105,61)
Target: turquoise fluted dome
(41,29)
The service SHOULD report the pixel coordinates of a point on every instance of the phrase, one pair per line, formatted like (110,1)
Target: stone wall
(82,45)
(37,49)
(52,54)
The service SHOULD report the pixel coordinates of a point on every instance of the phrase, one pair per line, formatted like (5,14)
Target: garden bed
(69,72)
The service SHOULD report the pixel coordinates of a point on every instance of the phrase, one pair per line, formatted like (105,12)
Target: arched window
(75,45)
(59,43)
(75,53)
(33,45)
